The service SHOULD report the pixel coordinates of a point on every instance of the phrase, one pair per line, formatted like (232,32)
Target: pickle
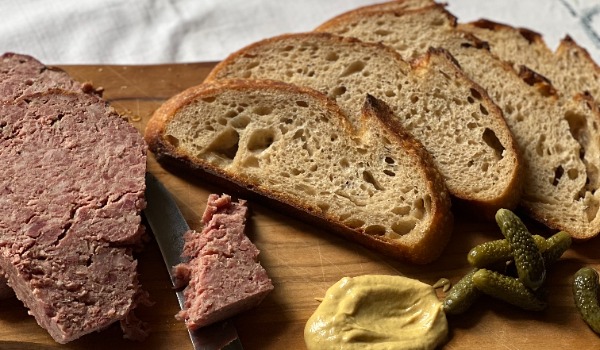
(585,292)
(556,246)
(508,289)
(462,295)
(492,252)
(527,256)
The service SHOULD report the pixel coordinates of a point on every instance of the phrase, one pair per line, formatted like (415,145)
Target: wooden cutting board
(303,260)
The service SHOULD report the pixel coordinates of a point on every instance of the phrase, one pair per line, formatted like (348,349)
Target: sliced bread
(570,68)
(294,146)
(452,117)
(559,137)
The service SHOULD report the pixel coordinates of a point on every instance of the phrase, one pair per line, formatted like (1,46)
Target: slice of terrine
(71,192)
(23,75)
(223,274)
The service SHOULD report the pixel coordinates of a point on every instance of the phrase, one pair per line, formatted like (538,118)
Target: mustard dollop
(377,312)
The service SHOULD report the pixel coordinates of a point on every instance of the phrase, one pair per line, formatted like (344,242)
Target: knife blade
(168,226)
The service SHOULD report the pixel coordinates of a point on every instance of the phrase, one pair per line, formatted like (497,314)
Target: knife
(168,226)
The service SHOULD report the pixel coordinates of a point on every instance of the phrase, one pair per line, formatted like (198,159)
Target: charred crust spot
(474,42)
(568,39)
(374,104)
(485,24)
(529,35)
(533,78)
(453,20)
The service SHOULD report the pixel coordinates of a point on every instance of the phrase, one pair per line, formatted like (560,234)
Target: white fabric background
(167,31)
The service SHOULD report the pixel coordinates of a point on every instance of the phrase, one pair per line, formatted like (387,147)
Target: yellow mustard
(377,312)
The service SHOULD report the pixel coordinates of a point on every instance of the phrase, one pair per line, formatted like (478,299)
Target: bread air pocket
(294,148)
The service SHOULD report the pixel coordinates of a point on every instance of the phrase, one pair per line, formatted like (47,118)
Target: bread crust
(427,249)
(532,36)
(397,6)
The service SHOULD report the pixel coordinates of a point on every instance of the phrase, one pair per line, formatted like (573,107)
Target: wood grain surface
(302,260)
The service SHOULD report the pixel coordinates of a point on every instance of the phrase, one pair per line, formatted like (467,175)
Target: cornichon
(492,252)
(585,292)
(462,295)
(556,246)
(508,289)
(527,256)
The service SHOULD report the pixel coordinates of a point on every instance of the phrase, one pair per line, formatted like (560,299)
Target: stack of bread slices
(373,123)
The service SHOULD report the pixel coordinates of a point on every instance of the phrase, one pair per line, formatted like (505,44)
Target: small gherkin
(492,252)
(585,292)
(556,246)
(508,289)
(489,253)
(528,259)
(462,295)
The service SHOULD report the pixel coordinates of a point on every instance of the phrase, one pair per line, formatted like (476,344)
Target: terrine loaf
(558,136)
(451,116)
(296,148)
(22,75)
(223,274)
(72,188)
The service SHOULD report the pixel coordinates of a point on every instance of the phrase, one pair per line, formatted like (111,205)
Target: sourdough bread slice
(452,117)
(570,68)
(295,147)
(559,137)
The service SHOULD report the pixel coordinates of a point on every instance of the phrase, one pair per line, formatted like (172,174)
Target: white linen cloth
(172,31)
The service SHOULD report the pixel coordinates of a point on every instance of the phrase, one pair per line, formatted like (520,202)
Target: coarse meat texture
(223,274)
(71,191)
(22,75)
